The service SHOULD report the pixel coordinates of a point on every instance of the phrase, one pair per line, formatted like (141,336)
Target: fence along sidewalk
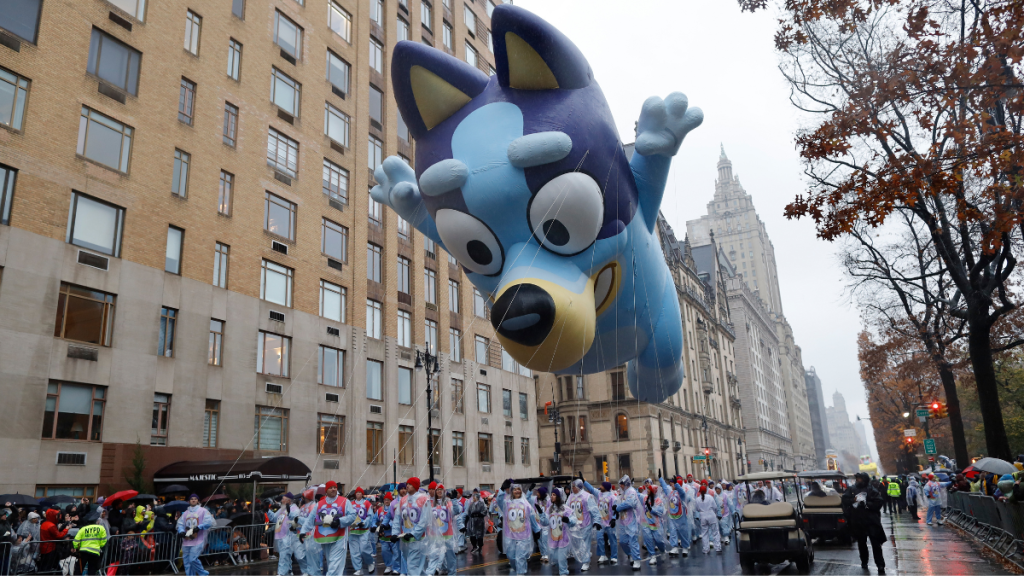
(997,525)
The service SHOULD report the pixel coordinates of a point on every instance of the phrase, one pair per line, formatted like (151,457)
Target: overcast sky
(725,62)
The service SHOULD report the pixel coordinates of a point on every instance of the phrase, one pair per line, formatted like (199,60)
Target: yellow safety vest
(91,539)
(894,488)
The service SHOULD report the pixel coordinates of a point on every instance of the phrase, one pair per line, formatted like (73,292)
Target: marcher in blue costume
(286,539)
(520,525)
(193,525)
(606,502)
(359,545)
(415,513)
(631,518)
(313,563)
(329,525)
(679,530)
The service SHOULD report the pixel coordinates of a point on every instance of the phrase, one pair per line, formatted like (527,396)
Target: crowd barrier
(160,551)
(998,525)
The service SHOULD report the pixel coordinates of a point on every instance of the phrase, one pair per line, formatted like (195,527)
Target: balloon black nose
(524,314)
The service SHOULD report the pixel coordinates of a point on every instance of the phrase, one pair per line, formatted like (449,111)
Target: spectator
(49,531)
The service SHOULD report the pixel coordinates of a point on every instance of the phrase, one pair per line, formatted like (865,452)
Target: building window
(376,152)
(216,342)
(435,444)
(220,265)
(483,398)
(285,92)
(332,301)
(470,19)
(7,177)
(272,354)
(109,59)
(179,178)
(404,229)
(288,35)
(618,385)
(339,21)
(161,417)
(165,344)
(524,451)
(510,450)
(405,385)
(73,412)
(524,406)
(458,448)
(135,8)
(429,248)
(430,336)
(565,383)
(373,262)
(282,153)
(374,214)
(403,129)
(336,124)
(186,101)
(578,433)
(404,328)
(426,16)
(455,344)
(453,295)
(95,224)
(279,216)
(193,26)
(621,427)
(335,181)
(227,184)
(238,9)
(211,420)
(506,403)
(104,140)
(625,469)
(376,106)
(508,363)
(21,18)
(331,367)
(374,312)
(377,12)
(230,123)
(234,59)
(481,350)
(402,30)
(335,241)
(84,315)
(276,283)
(271,429)
(430,286)
(458,397)
(406,446)
(338,72)
(484,447)
(471,55)
(374,443)
(446,37)
(376,55)
(331,435)
(479,304)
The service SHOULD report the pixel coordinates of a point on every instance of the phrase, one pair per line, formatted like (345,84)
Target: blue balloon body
(523,178)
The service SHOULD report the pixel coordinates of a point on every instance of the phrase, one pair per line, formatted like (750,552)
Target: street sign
(698,457)
(910,432)
(929,446)
(922,412)
(931,458)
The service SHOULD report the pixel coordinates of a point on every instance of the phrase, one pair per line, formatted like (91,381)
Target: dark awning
(279,469)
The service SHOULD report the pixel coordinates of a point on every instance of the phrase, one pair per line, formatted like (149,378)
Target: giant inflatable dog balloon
(522,177)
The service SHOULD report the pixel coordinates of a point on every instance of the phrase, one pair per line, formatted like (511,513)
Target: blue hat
(193,496)
(288,495)
(401,485)
(543,490)
(606,485)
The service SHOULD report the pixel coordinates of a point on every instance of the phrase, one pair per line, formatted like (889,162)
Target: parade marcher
(913,497)
(193,524)
(476,516)
(725,521)
(441,533)
(398,559)
(708,508)
(581,532)
(458,508)
(388,549)
(540,498)
(359,546)
(329,525)
(678,517)
(631,516)
(286,539)
(654,512)
(519,526)
(559,519)
(694,488)
(415,514)
(933,496)
(606,502)
(311,562)
(862,505)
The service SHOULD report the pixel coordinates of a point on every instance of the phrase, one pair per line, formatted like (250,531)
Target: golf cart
(823,515)
(773,532)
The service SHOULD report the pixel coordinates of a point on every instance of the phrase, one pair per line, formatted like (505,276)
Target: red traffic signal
(910,440)
(707,452)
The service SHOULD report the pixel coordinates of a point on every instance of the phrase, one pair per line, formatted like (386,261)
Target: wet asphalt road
(913,548)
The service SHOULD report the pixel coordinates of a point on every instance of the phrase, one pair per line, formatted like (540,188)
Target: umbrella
(485,494)
(215,498)
(175,489)
(173,506)
(271,493)
(994,466)
(147,498)
(222,522)
(118,496)
(971,472)
(19,499)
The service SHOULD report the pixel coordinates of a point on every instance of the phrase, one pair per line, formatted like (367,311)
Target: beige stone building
(190,258)
(602,423)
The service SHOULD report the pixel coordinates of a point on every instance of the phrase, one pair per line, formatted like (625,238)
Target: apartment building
(190,261)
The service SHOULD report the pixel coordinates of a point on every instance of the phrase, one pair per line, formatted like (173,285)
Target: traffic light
(910,440)
(933,409)
(604,467)
(942,412)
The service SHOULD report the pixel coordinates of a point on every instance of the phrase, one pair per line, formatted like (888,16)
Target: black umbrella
(175,489)
(143,498)
(271,493)
(18,499)
(173,506)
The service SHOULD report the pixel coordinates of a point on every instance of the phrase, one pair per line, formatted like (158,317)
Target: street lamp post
(433,366)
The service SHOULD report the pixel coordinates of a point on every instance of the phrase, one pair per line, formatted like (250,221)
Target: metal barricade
(218,546)
(134,549)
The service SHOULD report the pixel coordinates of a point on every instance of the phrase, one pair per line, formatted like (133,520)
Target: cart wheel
(803,564)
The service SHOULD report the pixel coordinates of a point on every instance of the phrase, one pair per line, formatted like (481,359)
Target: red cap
(459,490)
(689,476)
(331,484)
(439,486)
(432,486)
(359,490)
(414,482)
(703,488)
